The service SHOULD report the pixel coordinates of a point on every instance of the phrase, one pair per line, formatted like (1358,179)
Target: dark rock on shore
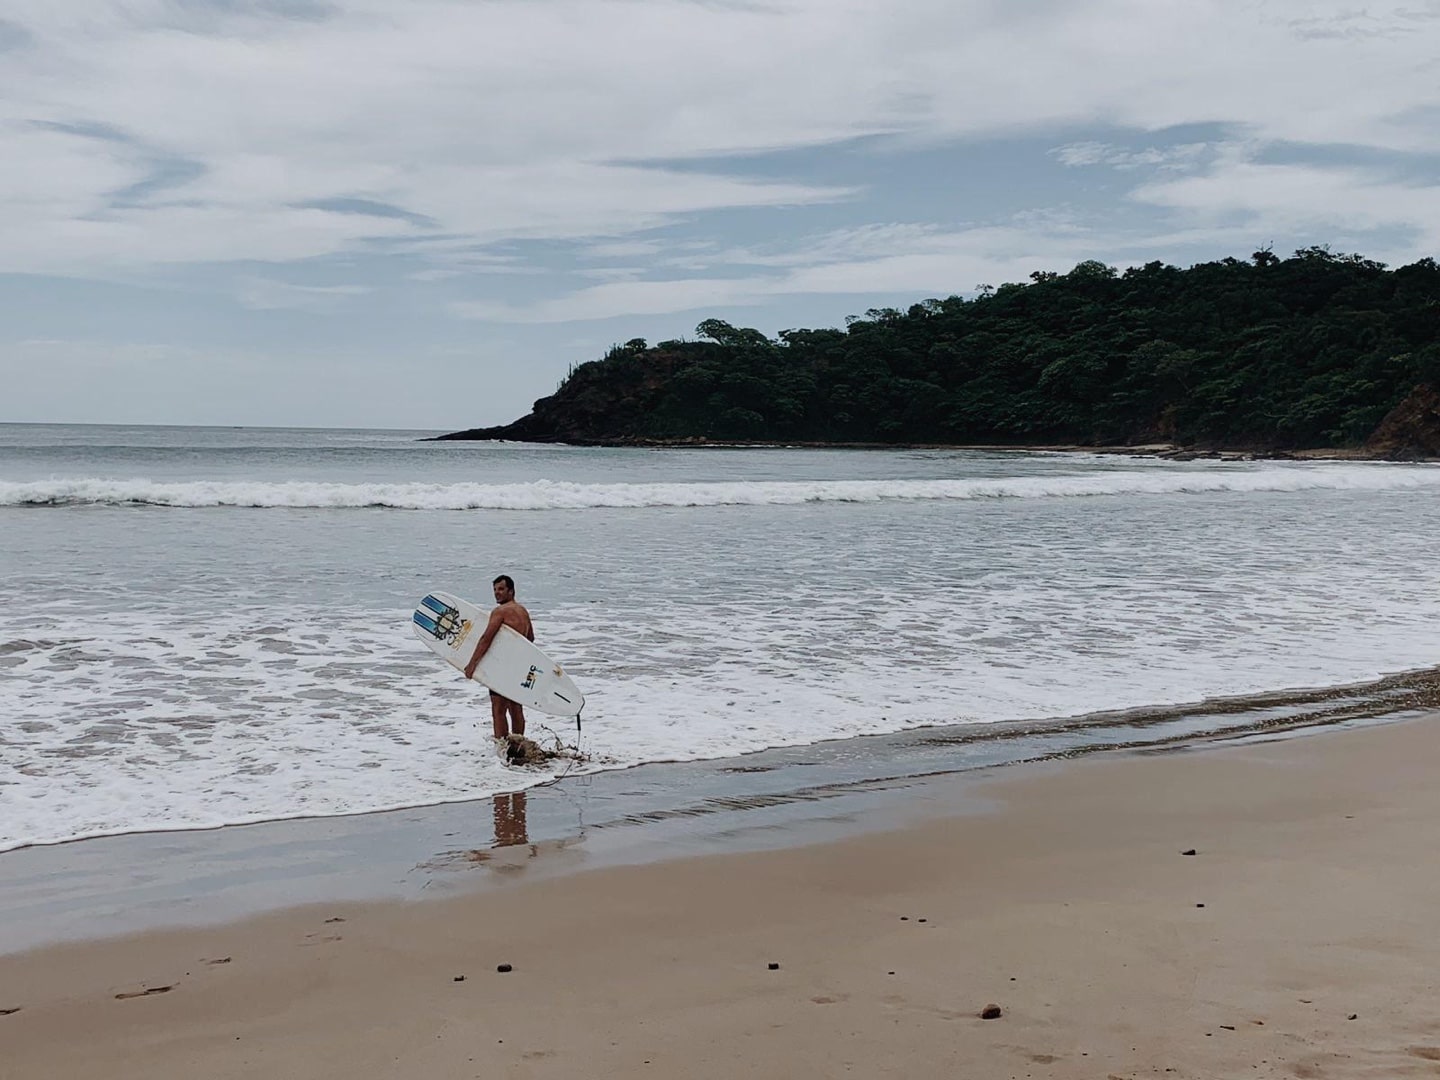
(1411,430)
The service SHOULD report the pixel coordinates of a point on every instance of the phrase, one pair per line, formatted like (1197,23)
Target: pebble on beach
(774,966)
(504,968)
(990,1012)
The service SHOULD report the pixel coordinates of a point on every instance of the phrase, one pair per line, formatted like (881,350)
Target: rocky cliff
(1411,430)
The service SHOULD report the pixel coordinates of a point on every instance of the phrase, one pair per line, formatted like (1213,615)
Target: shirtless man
(506,613)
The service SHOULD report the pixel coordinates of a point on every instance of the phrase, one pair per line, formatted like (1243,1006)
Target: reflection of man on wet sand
(510,828)
(509,716)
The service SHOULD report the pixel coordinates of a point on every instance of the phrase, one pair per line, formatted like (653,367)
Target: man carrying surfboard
(509,716)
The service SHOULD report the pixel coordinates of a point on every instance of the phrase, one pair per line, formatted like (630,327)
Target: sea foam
(567,495)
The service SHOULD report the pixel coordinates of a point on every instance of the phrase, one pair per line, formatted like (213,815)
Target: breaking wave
(563,495)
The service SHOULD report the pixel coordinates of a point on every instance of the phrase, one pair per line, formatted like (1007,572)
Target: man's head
(504,589)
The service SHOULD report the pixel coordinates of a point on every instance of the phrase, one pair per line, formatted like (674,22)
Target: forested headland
(1266,354)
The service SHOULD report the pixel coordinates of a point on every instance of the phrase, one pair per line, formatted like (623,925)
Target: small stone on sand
(504,968)
(990,1012)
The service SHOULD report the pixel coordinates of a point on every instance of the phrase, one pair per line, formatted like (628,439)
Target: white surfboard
(513,667)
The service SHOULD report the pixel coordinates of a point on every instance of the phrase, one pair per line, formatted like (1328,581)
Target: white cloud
(1285,199)
(500,121)
(611,273)
(1236,204)
(434,275)
(267,294)
(1081,154)
(879,258)
(1359,25)
(621,298)
(621,249)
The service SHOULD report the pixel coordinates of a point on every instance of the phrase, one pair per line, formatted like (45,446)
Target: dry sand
(1302,939)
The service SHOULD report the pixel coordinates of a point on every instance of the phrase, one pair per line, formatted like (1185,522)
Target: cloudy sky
(420,213)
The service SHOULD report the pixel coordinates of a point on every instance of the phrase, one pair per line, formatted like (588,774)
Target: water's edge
(768,799)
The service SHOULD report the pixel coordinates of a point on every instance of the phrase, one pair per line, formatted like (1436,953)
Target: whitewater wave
(564,495)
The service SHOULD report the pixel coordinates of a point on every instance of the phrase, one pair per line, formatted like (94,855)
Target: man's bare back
(513,614)
(508,716)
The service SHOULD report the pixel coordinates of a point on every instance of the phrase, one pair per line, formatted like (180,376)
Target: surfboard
(513,667)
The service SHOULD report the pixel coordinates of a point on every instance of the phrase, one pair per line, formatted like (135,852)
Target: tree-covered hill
(1312,351)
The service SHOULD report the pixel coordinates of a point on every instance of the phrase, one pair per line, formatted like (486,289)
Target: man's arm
(491,629)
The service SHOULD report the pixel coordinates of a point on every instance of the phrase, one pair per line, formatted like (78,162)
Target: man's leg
(497,713)
(517,718)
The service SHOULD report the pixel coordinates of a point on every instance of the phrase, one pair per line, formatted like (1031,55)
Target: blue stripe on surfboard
(435,605)
(427,623)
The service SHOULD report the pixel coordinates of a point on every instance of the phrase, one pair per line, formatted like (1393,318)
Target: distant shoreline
(1168,451)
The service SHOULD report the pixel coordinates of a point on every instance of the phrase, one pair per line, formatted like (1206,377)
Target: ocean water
(206,626)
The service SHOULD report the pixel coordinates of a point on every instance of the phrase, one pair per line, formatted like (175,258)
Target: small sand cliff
(1411,430)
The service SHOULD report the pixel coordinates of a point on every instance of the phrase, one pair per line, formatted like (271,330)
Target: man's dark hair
(509,581)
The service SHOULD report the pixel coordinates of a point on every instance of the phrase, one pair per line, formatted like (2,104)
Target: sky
(423,213)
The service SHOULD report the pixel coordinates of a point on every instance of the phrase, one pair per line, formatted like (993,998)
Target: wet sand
(1301,938)
(782,797)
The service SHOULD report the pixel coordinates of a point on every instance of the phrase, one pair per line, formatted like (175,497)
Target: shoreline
(1416,687)
(1260,907)
(1164,451)
(785,797)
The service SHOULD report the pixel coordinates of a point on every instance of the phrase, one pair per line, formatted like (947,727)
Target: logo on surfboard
(530,677)
(443,621)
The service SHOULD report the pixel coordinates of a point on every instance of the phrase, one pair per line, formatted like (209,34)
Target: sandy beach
(1243,909)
